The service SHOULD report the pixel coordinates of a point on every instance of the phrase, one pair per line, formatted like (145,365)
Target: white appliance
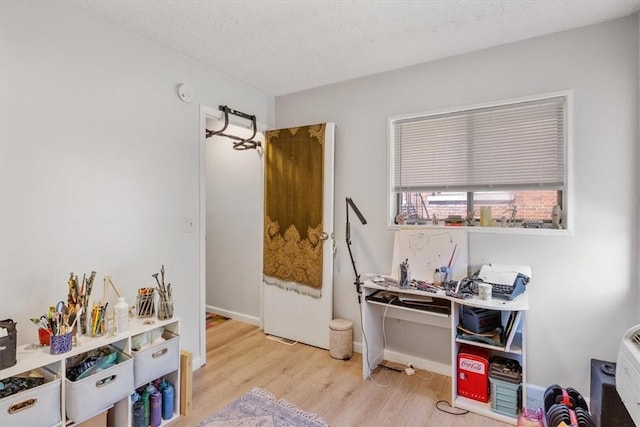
(628,372)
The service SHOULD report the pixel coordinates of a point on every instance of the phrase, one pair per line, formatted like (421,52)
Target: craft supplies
(121,313)
(437,277)
(145,302)
(83,299)
(155,405)
(13,385)
(165,299)
(167,399)
(404,274)
(44,336)
(60,343)
(98,319)
(138,414)
(86,364)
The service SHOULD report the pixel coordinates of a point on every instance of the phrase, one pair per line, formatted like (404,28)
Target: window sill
(491,230)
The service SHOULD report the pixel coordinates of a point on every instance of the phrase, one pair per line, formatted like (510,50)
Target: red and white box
(473,373)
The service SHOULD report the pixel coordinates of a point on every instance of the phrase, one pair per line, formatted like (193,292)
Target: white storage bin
(97,392)
(157,360)
(38,406)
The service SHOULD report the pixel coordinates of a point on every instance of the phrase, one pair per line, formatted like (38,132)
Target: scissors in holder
(62,318)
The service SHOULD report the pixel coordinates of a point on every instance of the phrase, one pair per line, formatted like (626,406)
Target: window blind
(507,147)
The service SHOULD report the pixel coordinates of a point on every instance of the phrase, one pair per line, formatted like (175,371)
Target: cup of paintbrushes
(145,304)
(98,320)
(60,343)
(165,307)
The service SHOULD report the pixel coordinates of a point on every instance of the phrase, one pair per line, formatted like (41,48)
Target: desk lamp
(350,202)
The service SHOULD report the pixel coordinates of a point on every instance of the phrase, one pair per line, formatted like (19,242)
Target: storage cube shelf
(108,389)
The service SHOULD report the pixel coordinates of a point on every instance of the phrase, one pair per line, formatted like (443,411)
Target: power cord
(366,344)
(409,370)
(447,411)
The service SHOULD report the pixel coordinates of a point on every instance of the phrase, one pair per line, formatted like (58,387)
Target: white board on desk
(428,249)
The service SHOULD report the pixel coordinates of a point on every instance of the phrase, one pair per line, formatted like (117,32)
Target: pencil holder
(165,308)
(98,324)
(83,322)
(145,305)
(60,343)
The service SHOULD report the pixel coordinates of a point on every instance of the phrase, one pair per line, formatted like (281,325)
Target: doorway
(231,212)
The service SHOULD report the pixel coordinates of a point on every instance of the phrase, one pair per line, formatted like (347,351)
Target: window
(509,157)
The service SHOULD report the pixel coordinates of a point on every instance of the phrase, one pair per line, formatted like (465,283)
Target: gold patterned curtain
(294,168)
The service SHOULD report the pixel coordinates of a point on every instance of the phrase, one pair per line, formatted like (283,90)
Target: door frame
(207,112)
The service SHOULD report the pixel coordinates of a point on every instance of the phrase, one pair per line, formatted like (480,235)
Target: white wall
(234,189)
(584,290)
(99,159)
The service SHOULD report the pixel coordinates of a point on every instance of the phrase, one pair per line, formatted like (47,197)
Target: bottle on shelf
(167,400)
(437,277)
(155,404)
(138,414)
(146,401)
(122,316)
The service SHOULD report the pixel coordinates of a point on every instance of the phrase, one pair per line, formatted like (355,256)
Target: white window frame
(568,203)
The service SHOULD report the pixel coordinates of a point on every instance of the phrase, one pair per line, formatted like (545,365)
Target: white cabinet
(120,413)
(443,313)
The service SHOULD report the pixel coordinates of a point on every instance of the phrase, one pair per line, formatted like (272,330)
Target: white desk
(373,342)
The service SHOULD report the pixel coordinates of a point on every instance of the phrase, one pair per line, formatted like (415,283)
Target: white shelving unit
(515,348)
(120,413)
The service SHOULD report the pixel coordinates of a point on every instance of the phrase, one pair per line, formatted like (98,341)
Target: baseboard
(252,320)
(196,363)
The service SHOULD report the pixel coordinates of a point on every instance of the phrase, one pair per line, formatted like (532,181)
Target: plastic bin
(97,392)
(157,360)
(340,339)
(506,397)
(37,406)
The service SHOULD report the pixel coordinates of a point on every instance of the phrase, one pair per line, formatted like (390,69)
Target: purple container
(156,409)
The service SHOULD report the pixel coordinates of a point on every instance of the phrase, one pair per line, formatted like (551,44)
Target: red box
(473,373)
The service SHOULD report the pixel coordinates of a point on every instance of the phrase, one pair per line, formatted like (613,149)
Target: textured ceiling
(283,47)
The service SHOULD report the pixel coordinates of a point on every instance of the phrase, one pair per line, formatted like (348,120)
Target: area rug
(259,408)
(214,319)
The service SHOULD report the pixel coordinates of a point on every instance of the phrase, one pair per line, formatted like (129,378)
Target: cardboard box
(99,420)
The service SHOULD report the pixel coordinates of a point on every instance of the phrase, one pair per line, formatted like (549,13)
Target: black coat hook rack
(239,143)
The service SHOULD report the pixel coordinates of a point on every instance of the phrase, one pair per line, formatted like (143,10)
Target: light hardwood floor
(240,357)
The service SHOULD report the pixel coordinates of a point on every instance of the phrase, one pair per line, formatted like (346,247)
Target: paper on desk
(503,274)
